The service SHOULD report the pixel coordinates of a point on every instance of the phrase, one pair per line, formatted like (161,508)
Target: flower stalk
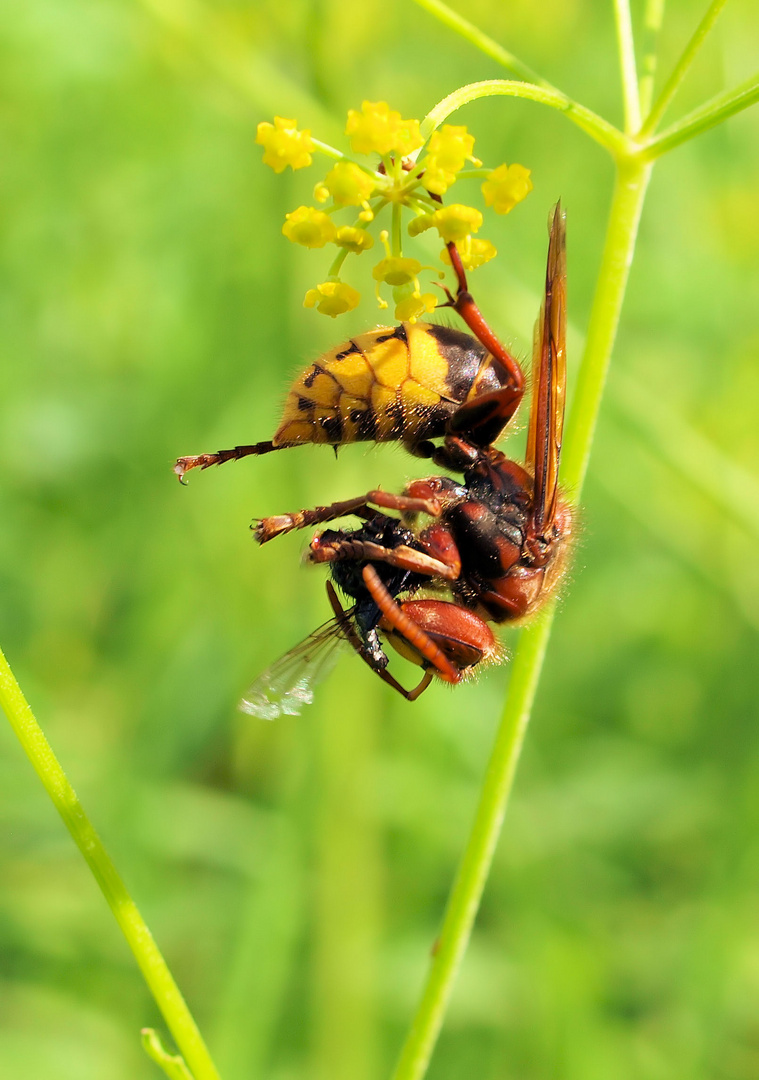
(464,901)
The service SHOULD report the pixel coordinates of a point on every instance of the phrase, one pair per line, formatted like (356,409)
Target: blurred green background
(295,873)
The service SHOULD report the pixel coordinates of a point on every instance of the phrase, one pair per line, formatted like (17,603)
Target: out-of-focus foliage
(295,873)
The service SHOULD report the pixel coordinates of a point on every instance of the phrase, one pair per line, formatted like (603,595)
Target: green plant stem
(680,70)
(630,187)
(626,44)
(629,193)
(152,964)
(470,881)
(485,44)
(599,129)
(705,117)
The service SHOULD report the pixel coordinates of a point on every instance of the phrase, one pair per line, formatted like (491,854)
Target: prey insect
(412,383)
(496,542)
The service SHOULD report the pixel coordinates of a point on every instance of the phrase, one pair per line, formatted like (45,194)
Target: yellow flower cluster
(410,176)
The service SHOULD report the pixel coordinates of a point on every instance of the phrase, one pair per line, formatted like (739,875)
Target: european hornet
(410,383)
(497,541)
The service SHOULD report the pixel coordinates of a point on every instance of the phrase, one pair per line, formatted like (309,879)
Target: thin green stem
(329,151)
(599,129)
(152,964)
(464,901)
(702,119)
(397,238)
(485,44)
(680,70)
(171,1064)
(337,155)
(653,16)
(628,69)
(467,889)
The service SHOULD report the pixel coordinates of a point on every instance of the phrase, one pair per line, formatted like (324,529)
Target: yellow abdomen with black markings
(394,383)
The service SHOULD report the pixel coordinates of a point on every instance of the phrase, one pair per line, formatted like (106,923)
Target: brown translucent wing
(549,380)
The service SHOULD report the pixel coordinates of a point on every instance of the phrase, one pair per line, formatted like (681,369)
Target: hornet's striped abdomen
(393,383)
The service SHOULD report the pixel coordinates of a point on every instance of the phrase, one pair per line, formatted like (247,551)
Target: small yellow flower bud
(506,186)
(456,221)
(420,223)
(378,129)
(396,270)
(321,192)
(452,146)
(348,184)
(448,151)
(413,306)
(309,227)
(284,145)
(348,236)
(332,298)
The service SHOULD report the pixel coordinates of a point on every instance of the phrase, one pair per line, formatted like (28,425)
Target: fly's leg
(352,637)
(267,528)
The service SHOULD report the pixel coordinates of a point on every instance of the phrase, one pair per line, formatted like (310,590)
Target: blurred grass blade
(652,20)
(237,64)
(627,66)
(680,70)
(714,112)
(729,485)
(485,44)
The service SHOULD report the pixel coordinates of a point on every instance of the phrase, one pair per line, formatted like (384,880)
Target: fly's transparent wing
(287,685)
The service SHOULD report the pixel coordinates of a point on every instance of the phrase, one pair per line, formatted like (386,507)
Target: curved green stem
(152,964)
(599,129)
(629,193)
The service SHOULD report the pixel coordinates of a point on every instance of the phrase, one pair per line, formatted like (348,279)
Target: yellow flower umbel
(400,175)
